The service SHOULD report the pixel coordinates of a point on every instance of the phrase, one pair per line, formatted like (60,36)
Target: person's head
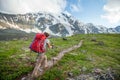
(46,34)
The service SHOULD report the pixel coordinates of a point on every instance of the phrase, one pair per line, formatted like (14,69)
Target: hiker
(39,45)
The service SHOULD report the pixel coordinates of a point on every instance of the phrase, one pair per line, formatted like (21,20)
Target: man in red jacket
(39,45)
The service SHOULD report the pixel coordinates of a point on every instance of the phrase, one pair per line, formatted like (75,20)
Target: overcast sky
(98,12)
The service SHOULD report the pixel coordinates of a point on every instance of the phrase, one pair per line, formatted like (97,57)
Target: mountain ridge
(56,24)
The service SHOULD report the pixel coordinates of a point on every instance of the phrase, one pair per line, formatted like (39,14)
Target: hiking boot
(40,69)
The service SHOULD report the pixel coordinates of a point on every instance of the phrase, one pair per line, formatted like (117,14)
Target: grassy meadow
(97,51)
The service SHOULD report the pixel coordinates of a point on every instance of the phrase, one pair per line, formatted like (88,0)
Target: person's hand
(50,47)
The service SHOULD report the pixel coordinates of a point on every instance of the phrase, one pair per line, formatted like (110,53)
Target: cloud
(112,9)
(75,7)
(25,6)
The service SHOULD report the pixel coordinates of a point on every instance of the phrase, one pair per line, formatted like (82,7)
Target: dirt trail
(54,60)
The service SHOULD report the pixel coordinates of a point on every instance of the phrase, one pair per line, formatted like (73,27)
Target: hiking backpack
(38,43)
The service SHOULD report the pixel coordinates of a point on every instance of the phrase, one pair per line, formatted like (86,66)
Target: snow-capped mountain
(56,24)
(117,29)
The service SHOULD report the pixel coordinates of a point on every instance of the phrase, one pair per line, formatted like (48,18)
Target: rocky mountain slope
(56,24)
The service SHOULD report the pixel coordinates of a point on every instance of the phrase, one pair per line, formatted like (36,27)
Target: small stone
(55,59)
(98,71)
(91,78)
(84,68)
(101,43)
(69,79)
(24,78)
(70,74)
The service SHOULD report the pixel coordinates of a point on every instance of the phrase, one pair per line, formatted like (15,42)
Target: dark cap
(46,34)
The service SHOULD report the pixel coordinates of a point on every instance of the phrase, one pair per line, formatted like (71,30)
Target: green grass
(104,52)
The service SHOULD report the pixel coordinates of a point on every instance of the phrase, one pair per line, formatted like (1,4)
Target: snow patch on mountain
(1,27)
(63,24)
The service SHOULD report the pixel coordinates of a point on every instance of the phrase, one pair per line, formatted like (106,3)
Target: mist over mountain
(56,24)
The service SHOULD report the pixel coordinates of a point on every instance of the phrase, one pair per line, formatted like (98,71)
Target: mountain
(117,28)
(56,24)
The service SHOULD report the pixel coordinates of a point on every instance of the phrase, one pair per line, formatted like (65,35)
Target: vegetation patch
(98,51)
